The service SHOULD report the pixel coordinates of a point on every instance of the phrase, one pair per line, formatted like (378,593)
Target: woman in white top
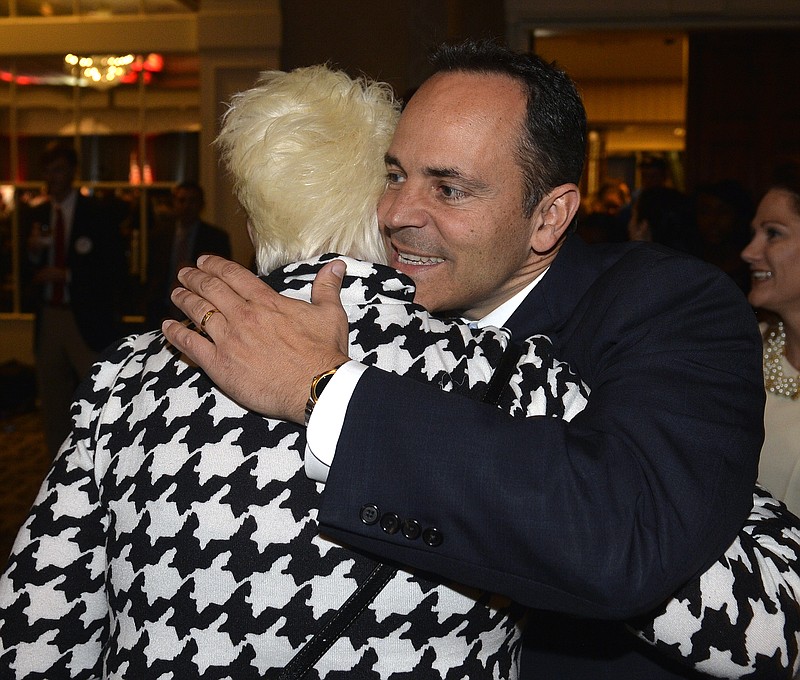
(774,258)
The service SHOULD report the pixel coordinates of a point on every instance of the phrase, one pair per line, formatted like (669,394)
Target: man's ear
(553,216)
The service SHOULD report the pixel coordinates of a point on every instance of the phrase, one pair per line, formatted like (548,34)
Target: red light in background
(152,63)
(147,66)
(133,77)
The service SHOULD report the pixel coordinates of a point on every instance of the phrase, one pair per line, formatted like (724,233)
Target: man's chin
(431,288)
(435,302)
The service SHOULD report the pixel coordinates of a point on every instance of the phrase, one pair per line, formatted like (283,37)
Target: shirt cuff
(327,419)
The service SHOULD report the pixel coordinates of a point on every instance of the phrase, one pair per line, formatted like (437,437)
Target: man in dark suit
(74,273)
(177,245)
(601,518)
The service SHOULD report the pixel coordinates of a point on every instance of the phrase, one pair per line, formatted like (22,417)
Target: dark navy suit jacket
(599,518)
(97,267)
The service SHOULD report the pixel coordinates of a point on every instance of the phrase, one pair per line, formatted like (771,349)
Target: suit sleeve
(29,263)
(604,516)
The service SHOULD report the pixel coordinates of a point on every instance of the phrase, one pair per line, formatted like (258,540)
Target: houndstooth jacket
(175,535)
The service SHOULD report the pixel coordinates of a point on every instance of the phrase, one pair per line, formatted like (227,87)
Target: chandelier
(100,71)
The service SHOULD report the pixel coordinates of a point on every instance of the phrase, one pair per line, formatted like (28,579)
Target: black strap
(502,374)
(312,651)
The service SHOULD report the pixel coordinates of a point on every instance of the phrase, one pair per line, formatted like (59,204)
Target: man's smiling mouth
(408,258)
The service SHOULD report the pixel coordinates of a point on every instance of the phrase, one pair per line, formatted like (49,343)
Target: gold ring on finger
(206,317)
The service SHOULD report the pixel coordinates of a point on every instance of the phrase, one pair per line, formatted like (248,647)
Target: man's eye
(451,192)
(393,177)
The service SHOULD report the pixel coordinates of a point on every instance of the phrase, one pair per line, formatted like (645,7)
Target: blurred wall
(384,40)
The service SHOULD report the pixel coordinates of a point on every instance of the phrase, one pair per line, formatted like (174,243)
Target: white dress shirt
(327,419)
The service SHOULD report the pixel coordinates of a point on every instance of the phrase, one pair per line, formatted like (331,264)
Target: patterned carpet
(24,462)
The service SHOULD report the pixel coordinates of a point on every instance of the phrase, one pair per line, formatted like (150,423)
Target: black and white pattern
(176,536)
(741,618)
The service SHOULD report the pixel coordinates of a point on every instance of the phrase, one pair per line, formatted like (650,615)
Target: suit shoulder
(649,262)
(213,239)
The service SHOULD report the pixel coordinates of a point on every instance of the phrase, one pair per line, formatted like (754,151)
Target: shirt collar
(500,315)
(68,204)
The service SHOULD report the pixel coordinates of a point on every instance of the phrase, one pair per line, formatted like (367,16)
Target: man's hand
(262,349)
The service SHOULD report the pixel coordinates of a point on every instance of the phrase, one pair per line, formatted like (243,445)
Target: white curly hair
(306,151)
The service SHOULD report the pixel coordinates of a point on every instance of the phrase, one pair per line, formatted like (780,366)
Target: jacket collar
(550,304)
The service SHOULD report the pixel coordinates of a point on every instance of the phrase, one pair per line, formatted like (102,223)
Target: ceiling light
(100,71)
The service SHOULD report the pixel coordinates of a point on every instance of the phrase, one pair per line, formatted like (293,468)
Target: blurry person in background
(773,256)
(654,172)
(178,244)
(75,273)
(722,214)
(603,222)
(663,215)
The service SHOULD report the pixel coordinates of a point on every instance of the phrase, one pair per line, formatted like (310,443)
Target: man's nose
(401,207)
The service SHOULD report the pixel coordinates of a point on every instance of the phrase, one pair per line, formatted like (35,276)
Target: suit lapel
(80,221)
(549,306)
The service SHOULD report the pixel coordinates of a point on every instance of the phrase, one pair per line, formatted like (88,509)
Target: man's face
(451,216)
(652,176)
(187,205)
(59,175)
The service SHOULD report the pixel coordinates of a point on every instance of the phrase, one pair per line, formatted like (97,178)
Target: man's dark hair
(552,146)
(655,162)
(191,185)
(59,149)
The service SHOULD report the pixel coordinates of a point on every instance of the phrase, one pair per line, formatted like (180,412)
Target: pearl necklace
(774,379)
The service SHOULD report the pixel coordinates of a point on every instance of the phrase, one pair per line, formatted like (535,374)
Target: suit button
(369,514)
(432,537)
(411,529)
(390,523)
